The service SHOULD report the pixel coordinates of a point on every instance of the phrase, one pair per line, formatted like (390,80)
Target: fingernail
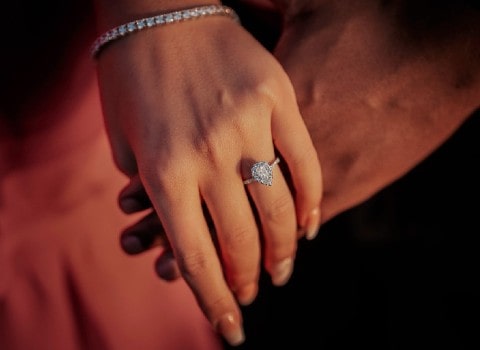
(132,245)
(130,205)
(247,294)
(282,271)
(230,329)
(313,224)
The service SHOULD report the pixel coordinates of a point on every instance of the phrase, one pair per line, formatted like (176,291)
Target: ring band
(262,172)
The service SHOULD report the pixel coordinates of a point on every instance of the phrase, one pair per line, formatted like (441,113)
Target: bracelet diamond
(160,20)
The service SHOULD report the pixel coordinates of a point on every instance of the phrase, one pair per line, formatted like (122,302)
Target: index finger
(180,210)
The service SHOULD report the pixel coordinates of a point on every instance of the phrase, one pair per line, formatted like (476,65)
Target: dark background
(399,271)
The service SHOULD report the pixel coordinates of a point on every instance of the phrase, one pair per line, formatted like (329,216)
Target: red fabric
(64,282)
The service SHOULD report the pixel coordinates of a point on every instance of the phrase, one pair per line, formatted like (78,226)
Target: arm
(380,87)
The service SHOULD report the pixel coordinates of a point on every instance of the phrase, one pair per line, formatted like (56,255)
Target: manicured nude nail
(247,294)
(229,327)
(313,224)
(282,271)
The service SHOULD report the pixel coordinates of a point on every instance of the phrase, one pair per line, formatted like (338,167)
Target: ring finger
(276,210)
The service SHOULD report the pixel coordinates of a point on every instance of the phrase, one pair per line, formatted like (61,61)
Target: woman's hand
(375,101)
(191,107)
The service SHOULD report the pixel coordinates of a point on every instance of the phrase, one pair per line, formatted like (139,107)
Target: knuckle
(238,237)
(211,146)
(163,177)
(258,95)
(217,307)
(280,209)
(304,159)
(264,91)
(278,86)
(192,265)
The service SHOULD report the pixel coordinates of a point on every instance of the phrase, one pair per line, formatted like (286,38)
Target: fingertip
(230,328)
(247,294)
(131,244)
(282,272)
(313,224)
(166,267)
(130,205)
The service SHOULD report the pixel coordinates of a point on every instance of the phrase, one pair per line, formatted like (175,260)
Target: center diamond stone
(262,172)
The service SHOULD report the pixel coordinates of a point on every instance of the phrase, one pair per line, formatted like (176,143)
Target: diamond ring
(262,172)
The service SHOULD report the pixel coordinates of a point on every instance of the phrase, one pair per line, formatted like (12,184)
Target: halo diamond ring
(262,172)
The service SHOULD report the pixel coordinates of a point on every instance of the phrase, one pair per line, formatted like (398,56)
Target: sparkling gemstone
(131,27)
(150,22)
(122,29)
(262,172)
(141,24)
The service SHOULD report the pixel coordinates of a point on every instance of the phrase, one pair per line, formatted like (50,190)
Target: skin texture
(379,85)
(190,108)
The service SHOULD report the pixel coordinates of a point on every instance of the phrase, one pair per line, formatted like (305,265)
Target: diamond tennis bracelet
(159,20)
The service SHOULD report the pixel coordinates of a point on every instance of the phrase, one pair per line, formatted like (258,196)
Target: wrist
(163,19)
(110,13)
